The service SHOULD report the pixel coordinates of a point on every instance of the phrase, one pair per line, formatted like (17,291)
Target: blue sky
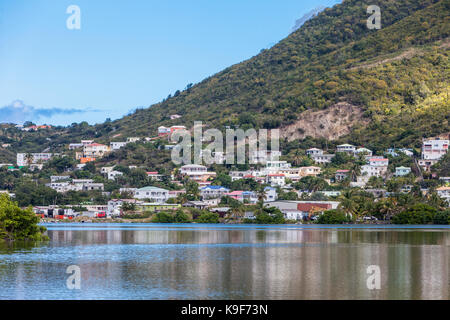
(127,54)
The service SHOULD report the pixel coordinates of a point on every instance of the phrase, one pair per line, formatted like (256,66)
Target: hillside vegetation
(395,80)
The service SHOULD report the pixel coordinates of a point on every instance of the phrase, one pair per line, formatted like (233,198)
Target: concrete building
(154,194)
(213,192)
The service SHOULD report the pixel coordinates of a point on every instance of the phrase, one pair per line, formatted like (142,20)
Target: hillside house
(154,194)
(347,148)
(402,171)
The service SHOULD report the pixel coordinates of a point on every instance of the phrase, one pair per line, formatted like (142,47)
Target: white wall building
(155,194)
(117,145)
(25,159)
(434,149)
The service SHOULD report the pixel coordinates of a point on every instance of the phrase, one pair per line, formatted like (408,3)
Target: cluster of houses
(64,184)
(273,173)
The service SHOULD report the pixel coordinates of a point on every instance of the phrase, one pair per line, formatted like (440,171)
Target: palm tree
(262,195)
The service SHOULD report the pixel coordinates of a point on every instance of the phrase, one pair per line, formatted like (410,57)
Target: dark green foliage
(334,217)
(17,223)
(208,217)
(163,217)
(181,217)
(417,214)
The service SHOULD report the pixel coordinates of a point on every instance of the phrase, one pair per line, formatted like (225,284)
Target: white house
(155,194)
(117,145)
(213,192)
(365,151)
(434,149)
(271,194)
(25,159)
(95,150)
(378,162)
(276,166)
(402,171)
(373,171)
(112,175)
(133,139)
(322,158)
(276,179)
(444,193)
(314,151)
(348,148)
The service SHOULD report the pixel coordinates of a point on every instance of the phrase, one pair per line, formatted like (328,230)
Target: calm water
(154,261)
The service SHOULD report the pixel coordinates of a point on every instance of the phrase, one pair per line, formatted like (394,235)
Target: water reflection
(211,262)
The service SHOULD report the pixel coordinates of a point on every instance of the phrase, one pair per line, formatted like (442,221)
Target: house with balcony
(276,179)
(95,150)
(154,194)
(213,192)
(347,148)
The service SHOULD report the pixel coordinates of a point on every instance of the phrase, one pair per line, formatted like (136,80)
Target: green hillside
(333,58)
(394,82)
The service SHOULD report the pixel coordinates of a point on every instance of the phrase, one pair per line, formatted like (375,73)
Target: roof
(214,187)
(342,171)
(235,193)
(345,145)
(95,145)
(306,207)
(151,189)
(443,189)
(276,175)
(378,159)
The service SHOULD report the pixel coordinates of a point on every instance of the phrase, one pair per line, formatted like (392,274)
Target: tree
(417,214)
(333,217)
(17,223)
(208,217)
(181,217)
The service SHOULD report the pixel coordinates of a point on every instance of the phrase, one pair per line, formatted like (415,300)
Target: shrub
(333,217)
(181,217)
(163,217)
(417,214)
(208,217)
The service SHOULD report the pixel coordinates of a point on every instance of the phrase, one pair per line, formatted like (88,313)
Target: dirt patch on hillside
(331,123)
